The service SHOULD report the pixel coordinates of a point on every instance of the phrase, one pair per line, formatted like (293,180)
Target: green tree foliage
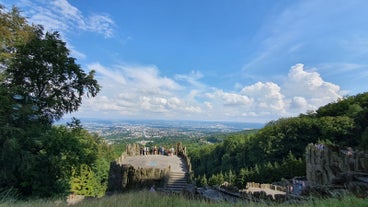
(354,107)
(14,31)
(364,139)
(230,177)
(217,179)
(90,177)
(43,73)
(39,83)
(42,164)
(83,181)
(201,181)
(277,150)
(340,129)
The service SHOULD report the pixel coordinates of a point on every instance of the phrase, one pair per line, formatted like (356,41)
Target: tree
(84,181)
(39,83)
(42,72)
(203,180)
(230,177)
(364,139)
(14,31)
(340,129)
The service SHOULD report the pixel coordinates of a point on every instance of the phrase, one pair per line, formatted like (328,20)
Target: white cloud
(67,10)
(60,15)
(257,100)
(230,99)
(141,92)
(109,74)
(208,105)
(193,78)
(101,24)
(299,104)
(266,95)
(310,86)
(148,78)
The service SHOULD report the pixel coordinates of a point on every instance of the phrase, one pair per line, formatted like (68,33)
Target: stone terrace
(177,164)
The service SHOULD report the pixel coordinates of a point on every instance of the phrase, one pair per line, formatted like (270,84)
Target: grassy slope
(147,199)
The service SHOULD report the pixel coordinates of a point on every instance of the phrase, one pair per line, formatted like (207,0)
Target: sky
(211,60)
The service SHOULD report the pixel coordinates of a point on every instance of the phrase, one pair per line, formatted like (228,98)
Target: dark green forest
(39,83)
(277,150)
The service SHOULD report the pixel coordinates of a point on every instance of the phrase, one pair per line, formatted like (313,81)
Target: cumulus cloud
(148,78)
(230,99)
(266,95)
(310,86)
(257,100)
(299,92)
(141,91)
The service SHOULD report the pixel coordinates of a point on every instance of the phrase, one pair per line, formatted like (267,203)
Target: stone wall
(182,152)
(265,186)
(326,164)
(124,177)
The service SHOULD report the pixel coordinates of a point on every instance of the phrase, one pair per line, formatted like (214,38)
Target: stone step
(183,183)
(178,178)
(178,174)
(177,181)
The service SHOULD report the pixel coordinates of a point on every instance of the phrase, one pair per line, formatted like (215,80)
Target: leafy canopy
(39,83)
(42,74)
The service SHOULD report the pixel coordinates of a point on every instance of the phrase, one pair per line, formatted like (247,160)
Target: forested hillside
(277,150)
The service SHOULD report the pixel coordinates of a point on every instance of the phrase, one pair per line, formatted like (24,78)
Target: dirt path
(157,161)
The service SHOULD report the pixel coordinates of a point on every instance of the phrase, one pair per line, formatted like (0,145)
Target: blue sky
(249,61)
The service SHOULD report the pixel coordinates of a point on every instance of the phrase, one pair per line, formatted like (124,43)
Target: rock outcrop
(327,165)
(332,168)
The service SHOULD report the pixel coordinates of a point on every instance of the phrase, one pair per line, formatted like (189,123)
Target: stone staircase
(177,181)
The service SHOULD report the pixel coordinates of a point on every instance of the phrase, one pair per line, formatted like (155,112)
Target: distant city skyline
(244,61)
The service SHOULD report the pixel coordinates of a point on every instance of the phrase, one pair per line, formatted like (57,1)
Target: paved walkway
(157,161)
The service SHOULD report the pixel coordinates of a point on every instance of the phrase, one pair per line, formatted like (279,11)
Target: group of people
(156,151)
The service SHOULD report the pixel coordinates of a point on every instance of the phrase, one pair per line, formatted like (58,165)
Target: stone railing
(182,152)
